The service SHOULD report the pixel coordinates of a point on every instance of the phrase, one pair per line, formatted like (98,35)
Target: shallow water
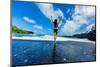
(28,52)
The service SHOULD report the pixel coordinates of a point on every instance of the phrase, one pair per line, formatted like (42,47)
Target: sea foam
(51,38)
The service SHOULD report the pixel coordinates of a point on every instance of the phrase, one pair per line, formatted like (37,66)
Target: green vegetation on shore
(89,35)
(15,29)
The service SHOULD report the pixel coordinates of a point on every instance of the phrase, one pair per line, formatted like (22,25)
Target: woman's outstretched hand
(51,18)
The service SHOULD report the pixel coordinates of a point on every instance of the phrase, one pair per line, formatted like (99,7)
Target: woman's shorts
(55,30)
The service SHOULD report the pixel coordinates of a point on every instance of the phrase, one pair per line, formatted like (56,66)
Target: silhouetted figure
(56,23)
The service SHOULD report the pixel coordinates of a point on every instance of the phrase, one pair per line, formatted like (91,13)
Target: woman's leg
(55,34)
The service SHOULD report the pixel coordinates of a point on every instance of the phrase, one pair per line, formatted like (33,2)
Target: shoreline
(50,38)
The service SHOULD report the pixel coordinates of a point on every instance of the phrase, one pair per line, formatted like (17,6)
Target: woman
(56,24)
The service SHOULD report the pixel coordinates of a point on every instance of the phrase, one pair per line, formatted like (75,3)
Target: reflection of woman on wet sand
(56,24)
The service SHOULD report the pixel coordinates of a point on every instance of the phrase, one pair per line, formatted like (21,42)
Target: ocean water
(34,52)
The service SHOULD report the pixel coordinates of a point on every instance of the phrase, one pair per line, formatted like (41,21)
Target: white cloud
(27,19)
(89,27)
(69,27)
(79,17)
(48,10)
(85,10)
(35,25)
(58,12)
(38,27)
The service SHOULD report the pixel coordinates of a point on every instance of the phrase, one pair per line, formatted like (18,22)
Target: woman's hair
(55,21)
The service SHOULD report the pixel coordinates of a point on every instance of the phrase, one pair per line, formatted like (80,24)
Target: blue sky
(36,17)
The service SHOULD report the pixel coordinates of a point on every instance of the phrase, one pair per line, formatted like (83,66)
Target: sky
(36,17)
